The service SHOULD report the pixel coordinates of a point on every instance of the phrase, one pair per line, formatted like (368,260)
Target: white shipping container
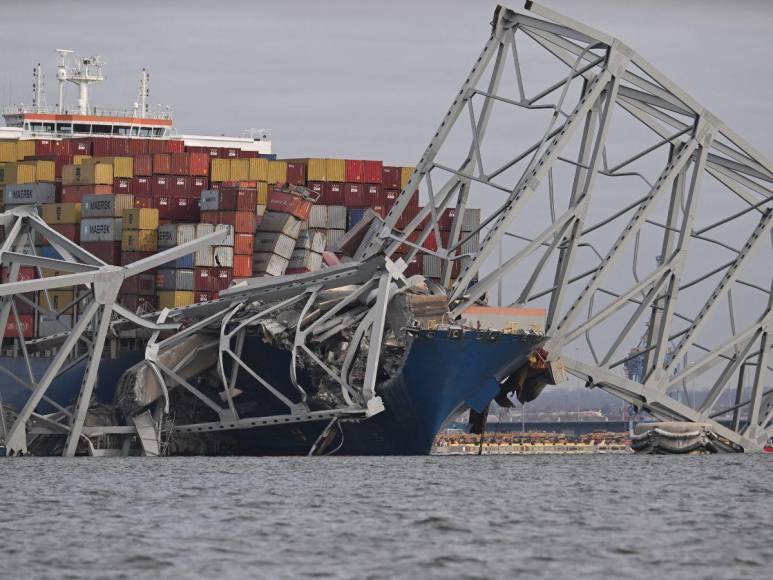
(284,223)
(185,233)
(431,266)
(270,242)
(472,245)
(336,217)
(229,239)
(318,216)
(183,280)
(269,264)
(306,259)
(204,229)
(224,256)
(101,229)
(29,193)
(205,257)
(470,219)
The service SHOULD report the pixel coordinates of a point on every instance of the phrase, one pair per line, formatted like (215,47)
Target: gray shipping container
(283,223)
(49,324)
(224,256)
(332,237)
(101,206)
(313,240)
(431,265)
(318,216)
(204,229)
(306,259)
(29,193)
(472,245)
(470,219)
(269,264)
(101,229)
(167,236)
(336,217)
(169,279)
(210,200)
(271,242)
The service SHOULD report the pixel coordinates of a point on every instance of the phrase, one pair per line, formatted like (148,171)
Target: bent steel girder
(98,285)
(637,219)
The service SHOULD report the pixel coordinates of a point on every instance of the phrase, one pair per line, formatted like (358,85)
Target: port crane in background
(614,153)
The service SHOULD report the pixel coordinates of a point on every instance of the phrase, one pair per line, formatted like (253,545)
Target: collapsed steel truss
(617,174)
(614,248)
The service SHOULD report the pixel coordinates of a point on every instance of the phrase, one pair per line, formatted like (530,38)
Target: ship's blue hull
(439,377)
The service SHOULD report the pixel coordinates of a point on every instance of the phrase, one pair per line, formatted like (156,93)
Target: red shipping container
(222,278)
(109,252)
(142,186)
(373,195)
(237,198)
(199,296)
(248,154)
(46,147)
(174,146)
(210,151)
(186,209)
(289,203)
(414,200)
(389,196)
(143,165)
(203,279)
(354,195)
(143,201)
(242,266)
(190,163)
(22,306)
(209,217)
(141,284)
(24,329)
(25,273)
(179,186)
(296,173)
(244,243)
(131,257)
(100,146)
(198,184)
(165,206)
(242,221)
(380,210)
(446,219)
(317,187)
(162,163)
(137,147)
(80,147)
(122,185)
(372,171)
(120,147)
(414,266)
(69,231)
(159,185)
(228,153)
(156,146)
(59,162)
(355,171)
(333,193)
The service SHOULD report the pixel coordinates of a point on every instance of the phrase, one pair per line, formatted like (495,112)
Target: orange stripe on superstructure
(505,310)
(96,119)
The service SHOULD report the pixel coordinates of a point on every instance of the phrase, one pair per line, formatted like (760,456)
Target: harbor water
(594,516)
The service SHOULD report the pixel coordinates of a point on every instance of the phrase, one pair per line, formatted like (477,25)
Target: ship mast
(87,71)
(38,89)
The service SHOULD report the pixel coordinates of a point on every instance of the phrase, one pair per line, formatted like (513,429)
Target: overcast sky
(362,79)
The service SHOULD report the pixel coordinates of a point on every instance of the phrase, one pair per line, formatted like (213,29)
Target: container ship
(124,185)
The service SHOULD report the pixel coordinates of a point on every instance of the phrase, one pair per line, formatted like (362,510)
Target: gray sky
(362,79)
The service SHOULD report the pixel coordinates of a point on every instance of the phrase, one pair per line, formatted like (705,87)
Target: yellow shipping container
(405,176)
(277,172)
(79,159)
(25,148)
(57,299)
(174,298)
(258,169)
(44,170)
(315,170)
(240,169)
(50,273)
(139,240)
(140,219)
(220,170)
(335,170)
(122,166)
(95,174)
(262,193)
(61,213)
(18,173)
(9,151)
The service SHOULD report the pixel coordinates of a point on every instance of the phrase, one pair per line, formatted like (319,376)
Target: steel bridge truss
(635,217)
(99,285)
